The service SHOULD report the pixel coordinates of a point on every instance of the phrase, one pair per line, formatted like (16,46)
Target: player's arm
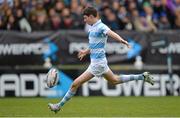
(83,53)
(115,36)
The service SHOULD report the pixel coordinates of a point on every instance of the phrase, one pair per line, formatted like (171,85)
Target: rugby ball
(52,77)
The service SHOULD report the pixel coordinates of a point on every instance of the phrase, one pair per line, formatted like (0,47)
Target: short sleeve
(105,29)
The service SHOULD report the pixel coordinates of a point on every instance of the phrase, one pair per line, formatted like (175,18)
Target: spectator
(115,6)
(104,5)
(116,13)
(177,18)
(167,6)
(56,22)
(163,22)
(157,6)
(32,20)
(112,21)
(12,24)
(83,3)
(149,14)
(67,19)
(17,4)
(171,4)
(105,13)
(7,2)
(123,17)
(42,22)
(27,7)
(76,11)
(59,6)
(23,24)
(39,9)
(2,27)
(142,24)
(48,4)
(8,13)
(51,12)
(131,6)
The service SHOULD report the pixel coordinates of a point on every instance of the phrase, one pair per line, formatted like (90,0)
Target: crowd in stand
(43,15)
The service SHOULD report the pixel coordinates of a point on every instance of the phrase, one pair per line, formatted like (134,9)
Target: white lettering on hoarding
(117,48)
(13,84)
(23,49)
(32,78)
(18,84)
(135,88)
(110,92)
(174,48)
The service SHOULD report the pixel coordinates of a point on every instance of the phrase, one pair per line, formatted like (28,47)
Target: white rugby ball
(52,77)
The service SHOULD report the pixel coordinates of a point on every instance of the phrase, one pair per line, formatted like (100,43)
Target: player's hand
(82,54)
(126,43)
(129,46)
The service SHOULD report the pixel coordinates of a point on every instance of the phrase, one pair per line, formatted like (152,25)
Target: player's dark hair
(90,11)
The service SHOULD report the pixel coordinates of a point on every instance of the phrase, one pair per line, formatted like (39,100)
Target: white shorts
(98,69)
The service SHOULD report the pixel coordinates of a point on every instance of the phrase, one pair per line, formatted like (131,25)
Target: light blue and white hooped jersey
(97,41)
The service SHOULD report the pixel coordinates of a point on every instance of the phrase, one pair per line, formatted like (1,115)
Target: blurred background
(36,35)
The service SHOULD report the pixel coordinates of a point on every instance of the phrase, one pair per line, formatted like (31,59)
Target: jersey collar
(99,21)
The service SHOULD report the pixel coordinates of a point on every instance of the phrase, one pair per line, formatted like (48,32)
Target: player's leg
(117,79)
(111,77)
(71,92)
(75,85)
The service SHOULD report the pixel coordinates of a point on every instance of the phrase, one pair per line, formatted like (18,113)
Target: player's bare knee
(115,82)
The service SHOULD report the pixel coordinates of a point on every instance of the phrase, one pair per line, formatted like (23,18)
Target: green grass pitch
(93,107)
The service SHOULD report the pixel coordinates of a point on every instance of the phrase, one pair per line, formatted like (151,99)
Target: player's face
(87,19)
